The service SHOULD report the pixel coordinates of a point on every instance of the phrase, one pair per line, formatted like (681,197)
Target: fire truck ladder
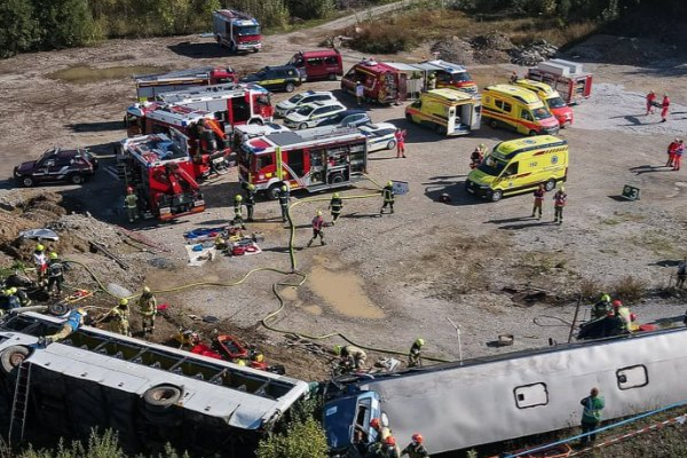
(20,404)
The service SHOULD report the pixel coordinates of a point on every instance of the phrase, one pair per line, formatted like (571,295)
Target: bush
(18,28)
(384,38)
(629,289)
(305,439)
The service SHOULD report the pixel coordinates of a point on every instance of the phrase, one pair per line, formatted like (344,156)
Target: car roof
(319,53)
(279,67)
(378,126)
(311,92)
(322,103)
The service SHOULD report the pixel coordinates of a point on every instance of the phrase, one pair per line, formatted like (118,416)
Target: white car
(379,136)
(284,108)
(248,131)
(311,114)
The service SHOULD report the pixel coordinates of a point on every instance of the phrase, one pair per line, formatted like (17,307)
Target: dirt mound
(624,50)
(491,48)
(533,53)
(454,50)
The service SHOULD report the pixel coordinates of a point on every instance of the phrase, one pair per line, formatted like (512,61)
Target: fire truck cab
(159,170)
(381,83)
(231,105)
(311,159)
(240,32)
(150,86)
(208,144)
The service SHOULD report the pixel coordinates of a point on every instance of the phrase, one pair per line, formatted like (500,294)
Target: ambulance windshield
(461,77)
(491,166)
(541,113)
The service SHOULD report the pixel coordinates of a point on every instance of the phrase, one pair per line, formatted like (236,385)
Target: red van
(318,65)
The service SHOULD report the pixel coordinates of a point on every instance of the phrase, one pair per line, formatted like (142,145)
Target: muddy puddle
(85,74)
(341,290)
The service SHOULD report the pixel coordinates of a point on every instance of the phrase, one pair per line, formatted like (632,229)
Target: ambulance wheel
(27,182)
(391,144)
(533,133)
(550,185)
(161,397)
(439,129)
(493,124)
(12,357)
(289,87)
(496,195)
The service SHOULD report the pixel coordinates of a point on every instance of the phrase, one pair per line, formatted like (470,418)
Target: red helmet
(374,423)
(616,303)
(129,189)
(633,316)
(390,440)
(417,437)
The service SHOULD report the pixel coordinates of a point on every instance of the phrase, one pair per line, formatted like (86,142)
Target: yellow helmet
(40,247)
(238,198)
(562,188)
(389,183)
(124,301)
(12,290)
(146,290)
(336,195)
(420,342)
(251,187)
(259,358)
(482,145)
(53,255)
(284,188)
(241,362)
(318,212)
(337,350)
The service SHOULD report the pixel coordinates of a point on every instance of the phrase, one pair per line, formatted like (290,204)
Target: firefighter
(249,201)
(681,274)
(238,211)
(400,143)
(476,157)
(665,108)
(24,299)
(619,310)
(678,156)
(672,151)
(284,199)
(415,354)
(148,306)
(336,204)
(591,415)
(131,202)
(538,200)
(74,321)
(602,307)
(382,431)
(415,449)
(118,317)
(40,260)
(317,228)
(559,201)
(357,355)
(55,273)
(650,101)
(388,195)
(359,92)
(432,81)
(9,299)
(389,449)
(513,77)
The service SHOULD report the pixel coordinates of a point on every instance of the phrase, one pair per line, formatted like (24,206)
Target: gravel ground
(428,262)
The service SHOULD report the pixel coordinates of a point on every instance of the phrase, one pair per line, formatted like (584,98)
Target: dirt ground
(383,282)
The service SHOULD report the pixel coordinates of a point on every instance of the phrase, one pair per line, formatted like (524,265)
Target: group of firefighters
(352,358)
(619,315)
(384,445)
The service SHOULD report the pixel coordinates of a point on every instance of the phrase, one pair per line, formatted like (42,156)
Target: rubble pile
(532,54)
(491,48)
(454,49)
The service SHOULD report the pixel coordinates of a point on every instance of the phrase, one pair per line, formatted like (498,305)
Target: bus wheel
(496,195)
(550,185)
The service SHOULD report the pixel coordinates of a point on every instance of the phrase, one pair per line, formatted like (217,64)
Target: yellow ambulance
(517,108)
(447,111)
(518,166)
(551,98)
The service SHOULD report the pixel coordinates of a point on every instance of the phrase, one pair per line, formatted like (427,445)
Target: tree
(63,23)
(18,29)
(304,439)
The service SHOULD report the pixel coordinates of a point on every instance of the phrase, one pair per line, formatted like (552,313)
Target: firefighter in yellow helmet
(336,204)
(238,211)
(355,355)
(249,201)
(317,228)
(388,195)
(284,200)
(118,318)
(147,304)
(415,354)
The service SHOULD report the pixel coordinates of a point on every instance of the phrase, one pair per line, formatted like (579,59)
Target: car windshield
(541,114)
(296,98)
(556,102)
(249,30)
(461,77)
(305,111)
(492,167)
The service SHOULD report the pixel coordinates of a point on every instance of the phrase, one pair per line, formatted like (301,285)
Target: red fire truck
(159,170)
(312,159)
(232,105)
(209,145)
(240,32)
(149,86)
(381,82)
(568,78)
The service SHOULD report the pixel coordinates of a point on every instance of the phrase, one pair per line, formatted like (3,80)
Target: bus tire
(550,185)
(161,397)
(12,357)
(495,195)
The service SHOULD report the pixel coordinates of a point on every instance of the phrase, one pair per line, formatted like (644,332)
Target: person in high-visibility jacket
(388,195)
(118,317)
(131,203)
(284,199)
(238,211)
(382,431)
(55,273)
(74,321)
(147,303)
(415,354)
(40,260)
(336,205)
(317,228)
(602,307)
(559,201)
(349,351)
(249,201)
(591,415)
(623,312)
